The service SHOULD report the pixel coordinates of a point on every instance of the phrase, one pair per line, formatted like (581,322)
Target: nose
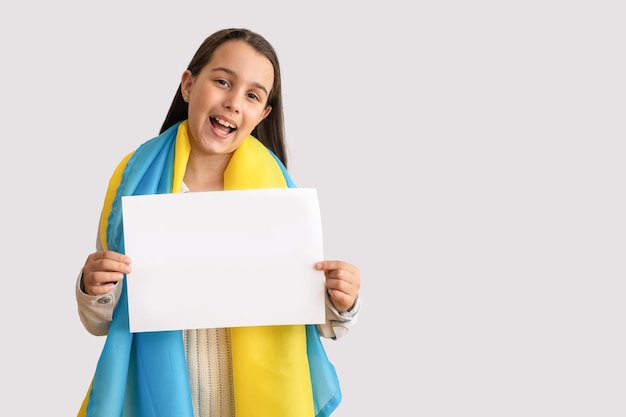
(233,101)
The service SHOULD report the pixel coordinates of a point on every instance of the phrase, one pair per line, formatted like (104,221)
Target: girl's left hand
(343,281)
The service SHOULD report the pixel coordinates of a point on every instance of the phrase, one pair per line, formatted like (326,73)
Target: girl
(224,130)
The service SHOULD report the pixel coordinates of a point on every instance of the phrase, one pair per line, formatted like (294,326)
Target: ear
(265,113)
(186,82)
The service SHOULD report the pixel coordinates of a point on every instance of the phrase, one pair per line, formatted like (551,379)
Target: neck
(206,173)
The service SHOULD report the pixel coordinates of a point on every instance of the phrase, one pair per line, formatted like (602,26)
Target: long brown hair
(271,131)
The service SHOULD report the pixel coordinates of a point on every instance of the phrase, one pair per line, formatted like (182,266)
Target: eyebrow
(231,72)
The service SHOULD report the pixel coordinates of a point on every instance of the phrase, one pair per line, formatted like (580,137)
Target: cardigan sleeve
(338,324)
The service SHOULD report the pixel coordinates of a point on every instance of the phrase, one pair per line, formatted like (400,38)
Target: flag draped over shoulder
(145,374)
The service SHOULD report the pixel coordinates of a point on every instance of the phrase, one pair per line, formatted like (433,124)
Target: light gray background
(469,158)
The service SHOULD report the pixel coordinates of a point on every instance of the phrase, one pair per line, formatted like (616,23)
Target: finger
(105,277)
(341,300)
(108,261)
(350,276)
(331,265)
(109,255)
(92,281)
(109,265)
(100,288)
(327,265)
(350,287)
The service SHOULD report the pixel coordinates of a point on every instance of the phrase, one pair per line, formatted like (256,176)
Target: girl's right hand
(104,269)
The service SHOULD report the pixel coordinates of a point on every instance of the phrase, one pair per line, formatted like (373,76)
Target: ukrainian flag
(278,371)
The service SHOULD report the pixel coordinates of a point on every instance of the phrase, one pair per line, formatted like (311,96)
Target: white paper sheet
(224,259)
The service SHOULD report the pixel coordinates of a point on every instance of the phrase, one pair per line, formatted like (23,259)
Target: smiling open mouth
(222,125)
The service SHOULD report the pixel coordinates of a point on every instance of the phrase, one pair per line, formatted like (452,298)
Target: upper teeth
(224,123)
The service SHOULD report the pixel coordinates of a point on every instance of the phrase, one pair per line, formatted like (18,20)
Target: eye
(254,96)
(221,82)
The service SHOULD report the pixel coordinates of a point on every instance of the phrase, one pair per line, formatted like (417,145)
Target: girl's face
(228,98)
